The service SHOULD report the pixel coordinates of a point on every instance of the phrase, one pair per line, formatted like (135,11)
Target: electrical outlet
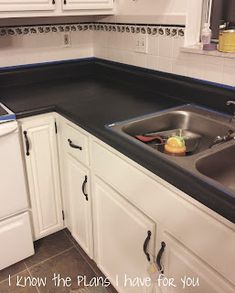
(67,40)
(141,44)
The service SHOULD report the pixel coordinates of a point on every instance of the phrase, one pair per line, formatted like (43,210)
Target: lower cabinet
(191,245)
(182,271)
(124,240)
(41,156)
(79,196)
(134,224)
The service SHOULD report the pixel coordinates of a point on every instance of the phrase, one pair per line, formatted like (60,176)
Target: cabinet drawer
(76,144)
(200,232)
(15,240)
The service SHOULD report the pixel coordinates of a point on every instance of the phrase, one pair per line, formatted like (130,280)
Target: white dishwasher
(15,231)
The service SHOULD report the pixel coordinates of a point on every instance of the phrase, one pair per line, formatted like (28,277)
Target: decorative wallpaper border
(166,30)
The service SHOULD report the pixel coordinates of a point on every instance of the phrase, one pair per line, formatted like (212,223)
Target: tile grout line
(70,240)
(32,277)
(14,274)
(74,245)
(41,262)
(94,271)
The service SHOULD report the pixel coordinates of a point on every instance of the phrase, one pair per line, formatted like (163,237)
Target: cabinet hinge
(63,215)
(56,129)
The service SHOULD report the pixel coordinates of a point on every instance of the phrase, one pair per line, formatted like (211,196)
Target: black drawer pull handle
(83,188)
(53,2)
(65,2)
(146,243)
(26,143)
(74,146)
(159,257)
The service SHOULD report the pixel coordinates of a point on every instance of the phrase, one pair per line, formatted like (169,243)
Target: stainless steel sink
(212,163)
(197,125)
(219,166)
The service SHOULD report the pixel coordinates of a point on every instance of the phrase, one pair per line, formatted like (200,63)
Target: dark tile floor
(57,255)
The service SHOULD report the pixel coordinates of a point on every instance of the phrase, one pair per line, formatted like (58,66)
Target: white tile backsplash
(179,67)
(229,62)
(152,62)
(229,75)
(163,54)
(32,48)
(177,44)
(165,46)
(213,72)
(164,64)
(153,45)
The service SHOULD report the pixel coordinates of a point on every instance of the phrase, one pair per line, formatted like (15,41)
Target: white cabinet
(127,215)
(41,155)
(209,244)
(76,179)
(78,193)
(120,231)
(87,4)
(39,8)
(27,5)
(188,272)
(75,143)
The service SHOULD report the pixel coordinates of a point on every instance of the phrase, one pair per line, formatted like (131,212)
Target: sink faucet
(228,103)
(219,139)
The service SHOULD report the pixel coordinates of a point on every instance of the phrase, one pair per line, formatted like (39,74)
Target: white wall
(151,7)
(44,47)
(149,11)
(164,54)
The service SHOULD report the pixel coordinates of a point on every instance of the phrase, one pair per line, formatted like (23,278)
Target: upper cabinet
(87,4)
(27,5)
(38,8)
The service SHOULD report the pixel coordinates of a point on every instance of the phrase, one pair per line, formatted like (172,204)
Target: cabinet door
(26,5)
(120,233)
(188,272)
(78,192)
(87,4)
(40,146)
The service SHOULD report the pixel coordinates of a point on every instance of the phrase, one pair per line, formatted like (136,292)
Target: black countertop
(104,93)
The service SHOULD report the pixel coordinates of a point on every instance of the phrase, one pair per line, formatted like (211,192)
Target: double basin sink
(207,154)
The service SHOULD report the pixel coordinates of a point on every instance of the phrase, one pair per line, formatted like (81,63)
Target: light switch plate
(67,39)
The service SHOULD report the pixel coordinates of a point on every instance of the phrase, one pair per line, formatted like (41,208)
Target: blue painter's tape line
(225,86)
(8,117)
(14,67)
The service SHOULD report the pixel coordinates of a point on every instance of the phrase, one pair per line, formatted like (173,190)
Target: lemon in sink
(175,145)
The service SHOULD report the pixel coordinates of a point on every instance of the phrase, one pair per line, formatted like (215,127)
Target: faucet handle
(228,103)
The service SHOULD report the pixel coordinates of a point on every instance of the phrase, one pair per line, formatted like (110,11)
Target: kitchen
(117,141)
